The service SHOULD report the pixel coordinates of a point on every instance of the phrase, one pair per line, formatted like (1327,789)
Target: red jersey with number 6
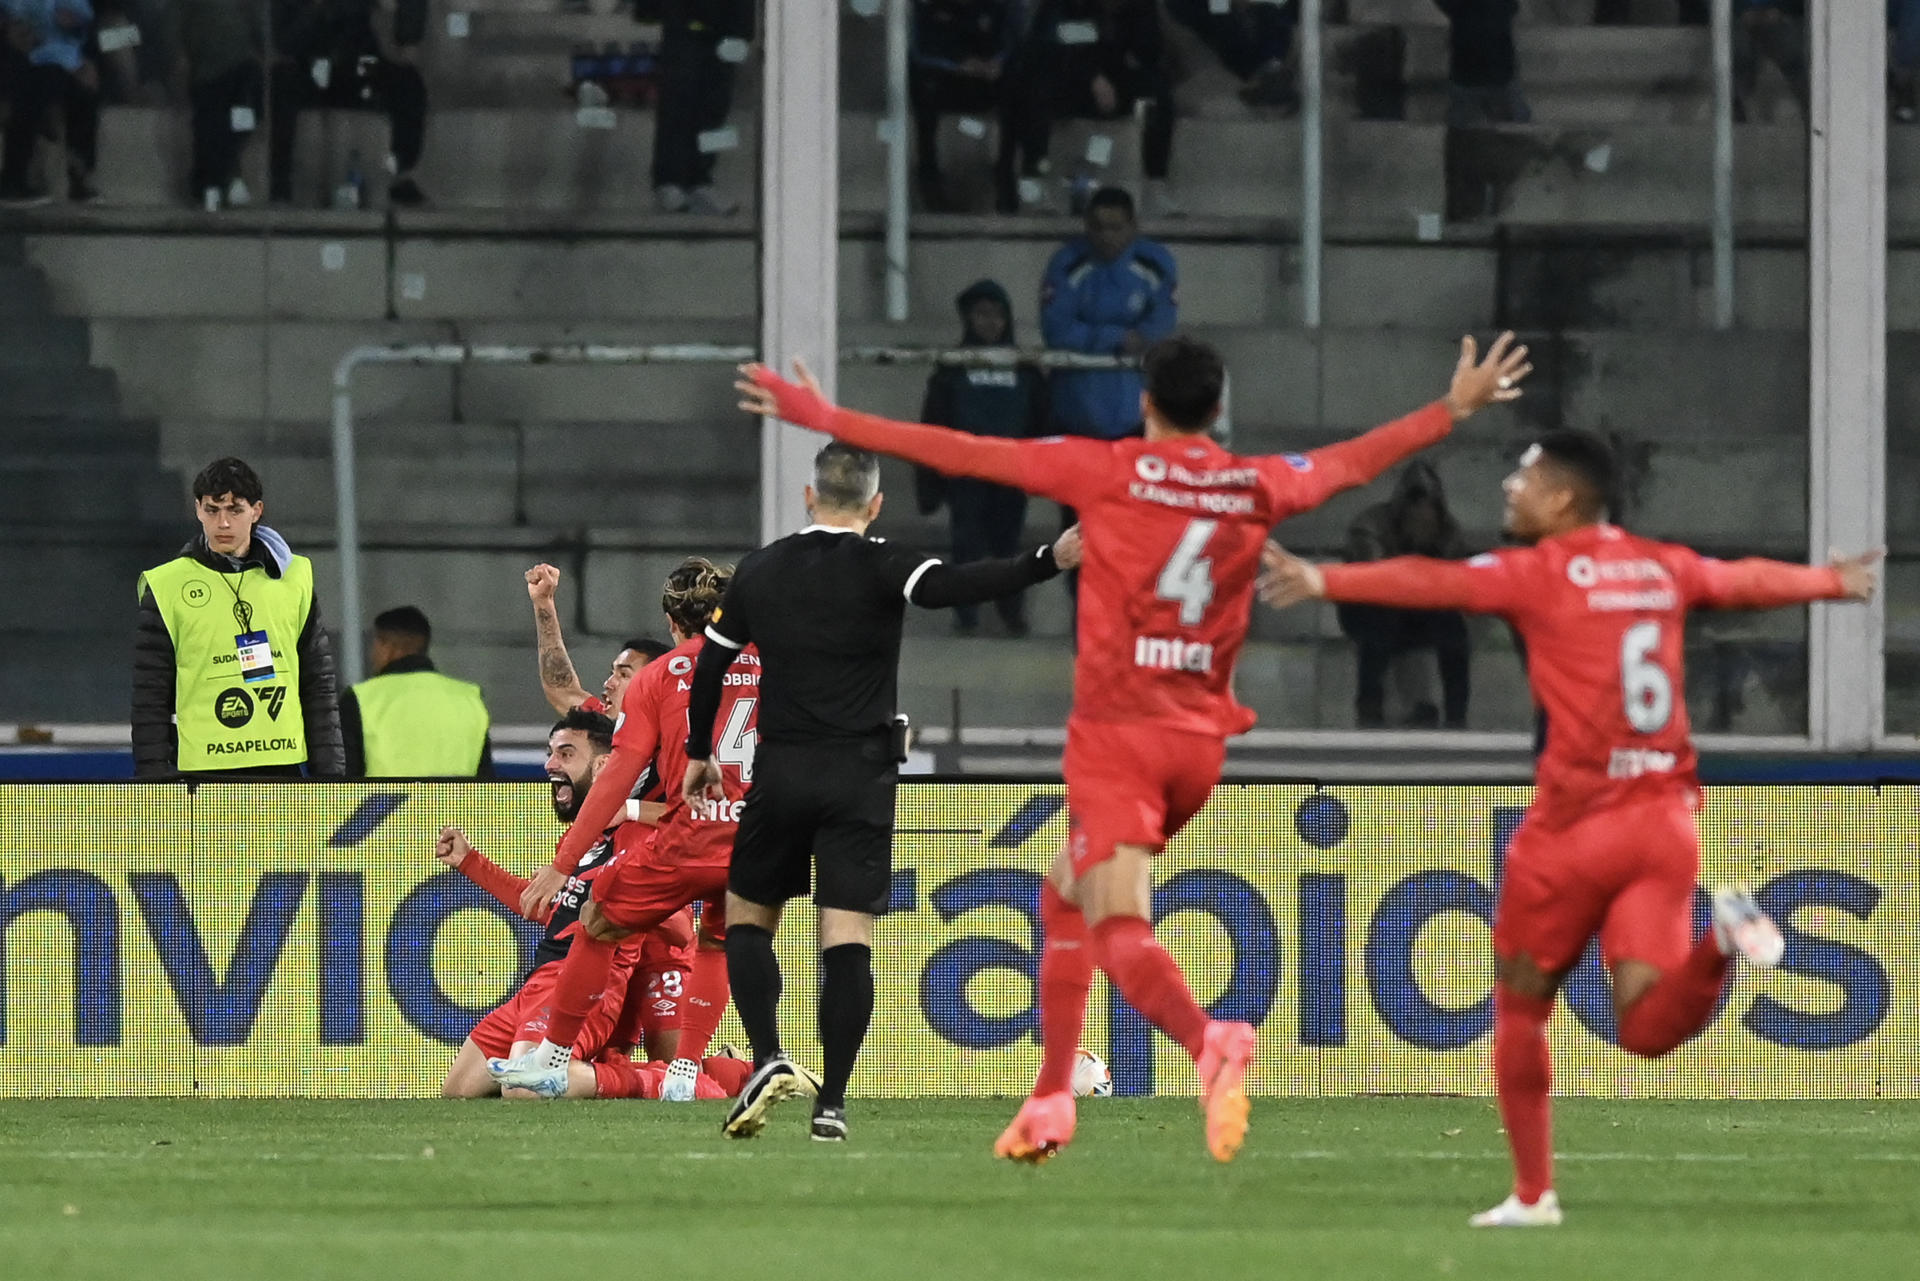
(653,723)
(1603,614)
(1173,530)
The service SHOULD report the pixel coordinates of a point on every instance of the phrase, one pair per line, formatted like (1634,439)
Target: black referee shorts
(818,817)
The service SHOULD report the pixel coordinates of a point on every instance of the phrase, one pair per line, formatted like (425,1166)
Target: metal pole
(1312,162)
(1722,37)
(346,518)
(898,210)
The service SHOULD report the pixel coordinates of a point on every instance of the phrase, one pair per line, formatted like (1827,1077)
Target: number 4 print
(1187,577)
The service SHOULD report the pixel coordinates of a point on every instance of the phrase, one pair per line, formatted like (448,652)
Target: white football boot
(541,1070)
(1515,1213)
(678,1085)
(1743,930)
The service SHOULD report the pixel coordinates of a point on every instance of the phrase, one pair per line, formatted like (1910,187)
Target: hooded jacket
(1009,402)
(155,751)
(1376,533)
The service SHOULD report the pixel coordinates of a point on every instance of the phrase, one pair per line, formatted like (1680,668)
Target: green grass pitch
(1326,1189)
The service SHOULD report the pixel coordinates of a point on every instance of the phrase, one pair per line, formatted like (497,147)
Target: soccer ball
(1090,1076)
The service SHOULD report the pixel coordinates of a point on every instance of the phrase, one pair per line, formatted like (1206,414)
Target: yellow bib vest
(225,722)
(421,725)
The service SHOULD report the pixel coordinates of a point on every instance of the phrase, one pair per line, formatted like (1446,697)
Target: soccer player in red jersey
(1173,527)
(657,962)
(1609,845)
(686,861)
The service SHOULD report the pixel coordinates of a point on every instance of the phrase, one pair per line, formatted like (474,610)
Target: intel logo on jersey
(1150,469)
(1170,654)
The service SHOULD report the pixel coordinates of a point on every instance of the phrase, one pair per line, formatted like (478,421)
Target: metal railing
(345,484)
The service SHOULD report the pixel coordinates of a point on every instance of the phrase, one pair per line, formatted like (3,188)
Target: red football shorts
(645,887)
(524,1015)
(1134,784)
(1626,872)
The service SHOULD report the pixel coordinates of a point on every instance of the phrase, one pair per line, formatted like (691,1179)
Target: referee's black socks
(846,1008)
(754,973)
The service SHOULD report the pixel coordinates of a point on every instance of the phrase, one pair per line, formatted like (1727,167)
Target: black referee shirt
(824,607)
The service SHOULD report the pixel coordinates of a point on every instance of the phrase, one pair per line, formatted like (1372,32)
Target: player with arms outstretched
(1609,845)
(1173,526)
(686,861)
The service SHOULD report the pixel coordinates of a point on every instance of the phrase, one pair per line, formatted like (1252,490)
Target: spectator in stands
(1483,68)
(46,70)
(1775,30)
(959,57)
(1904,17)
(1010,401)
(407,720)
(1110,292)
(1097,59)
(228,630)
(1414,522)
(701,42)
(329,55)
(219,42)
(1252,39)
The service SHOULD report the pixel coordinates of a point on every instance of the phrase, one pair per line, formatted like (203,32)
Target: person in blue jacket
(1110,292)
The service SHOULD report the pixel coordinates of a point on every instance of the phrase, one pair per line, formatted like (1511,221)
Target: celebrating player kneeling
(1173,526)
(1609,845)
(686,860)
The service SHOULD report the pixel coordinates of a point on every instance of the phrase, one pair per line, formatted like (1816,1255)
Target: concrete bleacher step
(85,489)
(42,341)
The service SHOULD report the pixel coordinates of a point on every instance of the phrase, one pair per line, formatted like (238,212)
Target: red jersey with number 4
(1173,531)
(653,724)
(1603,616)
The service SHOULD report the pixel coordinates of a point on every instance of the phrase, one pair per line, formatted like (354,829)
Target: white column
(1847,207)
(799,231)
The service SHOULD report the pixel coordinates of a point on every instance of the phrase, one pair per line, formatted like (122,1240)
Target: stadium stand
(162,335)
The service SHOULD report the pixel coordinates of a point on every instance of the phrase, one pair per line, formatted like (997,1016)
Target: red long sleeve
(956,453)
(494,879)
(604,803)
(1419,582)
(1362,459)
(1755,583)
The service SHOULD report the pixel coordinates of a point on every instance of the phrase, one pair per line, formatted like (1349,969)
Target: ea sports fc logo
(234,707)
(1150,469)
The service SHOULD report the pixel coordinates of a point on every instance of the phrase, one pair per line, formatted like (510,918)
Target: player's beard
(568,796)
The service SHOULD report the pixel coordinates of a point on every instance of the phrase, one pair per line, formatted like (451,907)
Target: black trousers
(35,92)
(987,521)
(1041,95)
(935,93)
(696,93)
(216,147)
(1380,635)
(366,84)
(1693,13)
(1244,39)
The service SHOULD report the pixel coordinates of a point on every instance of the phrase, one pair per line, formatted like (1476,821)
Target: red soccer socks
(1523,1073)
(1066,974)
(1125,948)
(1679,1005)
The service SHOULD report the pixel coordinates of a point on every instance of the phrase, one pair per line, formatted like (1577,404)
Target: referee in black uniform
(824,607)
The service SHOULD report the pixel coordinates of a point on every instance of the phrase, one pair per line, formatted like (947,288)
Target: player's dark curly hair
(1185,379)
(597,728)
(693,593)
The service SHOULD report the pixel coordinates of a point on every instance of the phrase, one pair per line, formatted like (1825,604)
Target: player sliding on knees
(684,862)
(1173,527)
(1609,845)
(640,1000)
